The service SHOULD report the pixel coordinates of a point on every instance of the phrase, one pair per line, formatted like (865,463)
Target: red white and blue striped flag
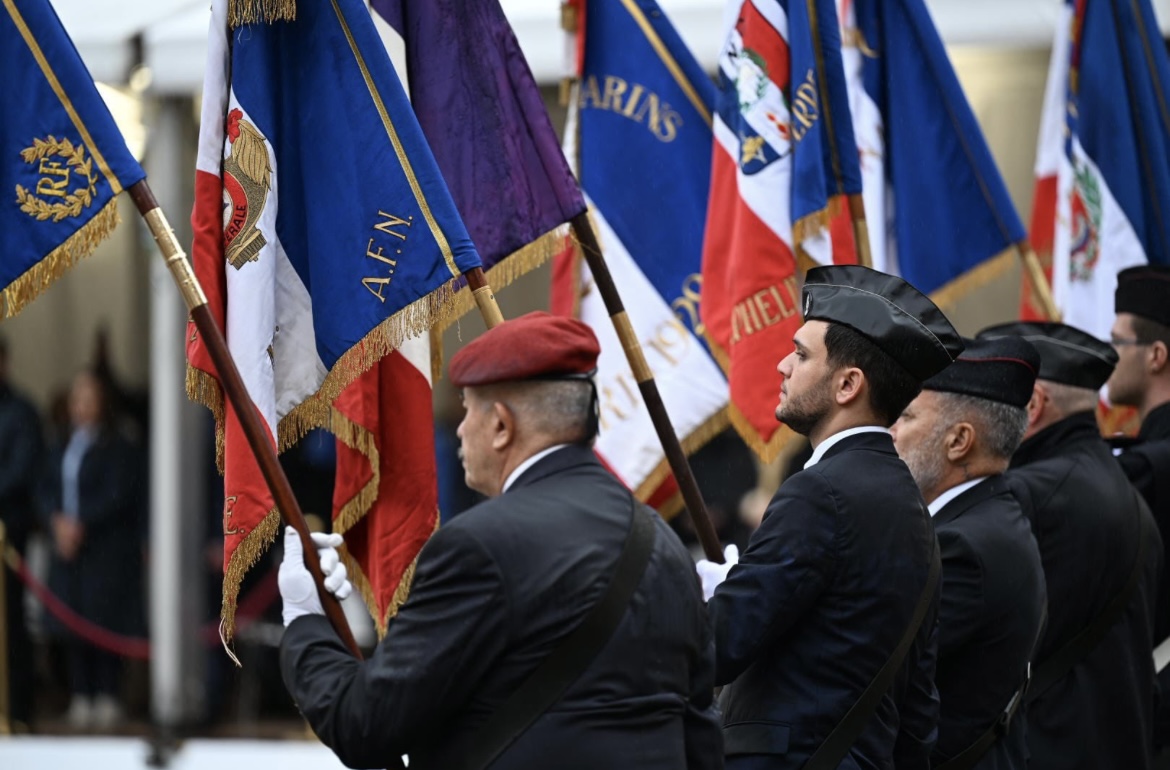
(324,233)
(784,159)
(1102,200)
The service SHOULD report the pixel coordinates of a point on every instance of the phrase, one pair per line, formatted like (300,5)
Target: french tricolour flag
(324,234)
(784,159)
(1102,198)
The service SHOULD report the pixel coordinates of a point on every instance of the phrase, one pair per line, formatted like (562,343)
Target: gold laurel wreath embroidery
(74,202)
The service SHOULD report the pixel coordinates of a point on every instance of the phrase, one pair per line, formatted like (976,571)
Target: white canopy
(172,33)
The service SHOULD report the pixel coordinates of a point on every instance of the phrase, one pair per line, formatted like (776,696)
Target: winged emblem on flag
(247,177)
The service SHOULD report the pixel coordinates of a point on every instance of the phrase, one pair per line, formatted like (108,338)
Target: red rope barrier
(250,608)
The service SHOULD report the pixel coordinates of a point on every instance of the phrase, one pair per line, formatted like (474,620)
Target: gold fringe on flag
(691,443)
(241,12)
(433,310)
(247,553)
(767,451)
(204,389)
(362,583)
(520,262)
(75,248)
(947,296)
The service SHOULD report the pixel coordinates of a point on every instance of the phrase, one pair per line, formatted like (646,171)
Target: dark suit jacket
(817,603)
(1147,464)
(989,620)
(21,449)
(1086,518)
(104,581)
(495,591)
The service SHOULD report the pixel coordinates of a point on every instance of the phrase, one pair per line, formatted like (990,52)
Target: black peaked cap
(1144,291)
(894,315)
(1067,354)
(1002,369)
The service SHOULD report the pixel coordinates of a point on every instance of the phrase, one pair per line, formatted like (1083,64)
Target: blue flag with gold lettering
(62,158)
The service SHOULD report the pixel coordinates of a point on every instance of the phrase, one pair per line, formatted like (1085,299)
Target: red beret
(536,345)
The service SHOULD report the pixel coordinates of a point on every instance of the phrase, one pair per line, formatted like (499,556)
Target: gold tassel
(75,248)
(241,12)
(246,554)
(204,389)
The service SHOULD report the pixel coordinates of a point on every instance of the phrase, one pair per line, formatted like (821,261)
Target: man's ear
(503,426)
(1157,358)
(960,441)
(1036,404)
(850,382)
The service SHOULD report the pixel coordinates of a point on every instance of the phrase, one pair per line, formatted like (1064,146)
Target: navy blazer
(989,620)
(496,590)
(819,600)
(1086,518)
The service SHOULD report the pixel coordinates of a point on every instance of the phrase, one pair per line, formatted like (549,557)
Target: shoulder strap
(835,747)
(568,661)
(970,756)
(1059,663)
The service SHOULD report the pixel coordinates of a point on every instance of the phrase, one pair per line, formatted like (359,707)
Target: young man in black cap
(957,438)
(840,581)
(1091,699)
(464,678)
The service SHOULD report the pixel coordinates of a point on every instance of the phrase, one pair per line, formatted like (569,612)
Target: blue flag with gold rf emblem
(62,159)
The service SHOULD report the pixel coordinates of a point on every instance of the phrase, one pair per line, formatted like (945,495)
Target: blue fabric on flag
(1119,111)
(645,139)
(360,194)
(821,167)
(485,119)
(62,148)
(952,210)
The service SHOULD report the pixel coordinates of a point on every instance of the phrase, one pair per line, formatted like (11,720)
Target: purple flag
(485,120)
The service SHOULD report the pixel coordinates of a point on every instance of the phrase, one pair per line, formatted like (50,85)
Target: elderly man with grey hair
(1091,700)
(957,437)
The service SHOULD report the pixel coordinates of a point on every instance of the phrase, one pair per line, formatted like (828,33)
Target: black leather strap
(1059,663)
(970,756)
(835,747)
(568,661)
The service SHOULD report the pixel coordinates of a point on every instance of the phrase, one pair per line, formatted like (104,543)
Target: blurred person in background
(92,499)
(20,458)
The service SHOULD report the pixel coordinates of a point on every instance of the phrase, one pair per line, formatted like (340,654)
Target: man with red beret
(558,624)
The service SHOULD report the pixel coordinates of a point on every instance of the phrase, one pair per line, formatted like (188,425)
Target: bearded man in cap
(503,593)
(1141,337)
(958,437)
(836,593)
(1091,698)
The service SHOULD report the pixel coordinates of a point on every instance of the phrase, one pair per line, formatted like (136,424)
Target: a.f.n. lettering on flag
(322,244)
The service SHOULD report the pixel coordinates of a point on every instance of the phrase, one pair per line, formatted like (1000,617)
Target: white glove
(297,588)
(713,574)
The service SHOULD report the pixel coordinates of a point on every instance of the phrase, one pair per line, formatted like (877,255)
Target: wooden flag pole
(583,231)
(860,230)
(237,394)
(485,299)
(1039,281)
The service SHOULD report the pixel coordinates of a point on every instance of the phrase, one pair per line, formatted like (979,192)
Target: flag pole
(237,394)
(1040,285)
(485,299)
(583,231)
(860,230)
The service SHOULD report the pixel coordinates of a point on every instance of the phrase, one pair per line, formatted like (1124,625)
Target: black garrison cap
(1144,291)
(1002,369)
(1067,354)
(894,315)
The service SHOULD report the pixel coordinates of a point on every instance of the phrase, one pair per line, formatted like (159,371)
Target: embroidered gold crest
(60,164)
(247,174)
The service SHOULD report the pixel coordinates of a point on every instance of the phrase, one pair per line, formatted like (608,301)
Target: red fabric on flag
(751,307)
(386,495)
(1042,236)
